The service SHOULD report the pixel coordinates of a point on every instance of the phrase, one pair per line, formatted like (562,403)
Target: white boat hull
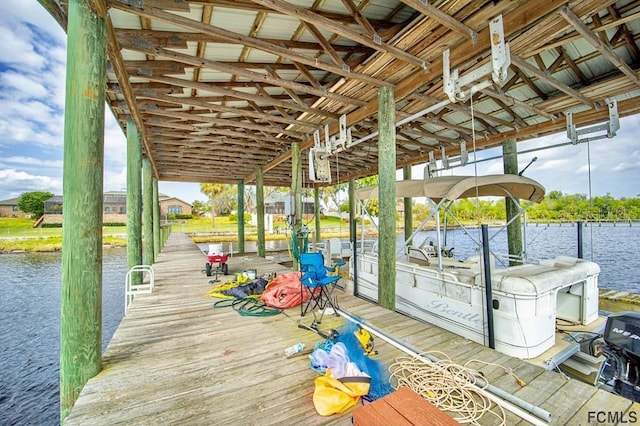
(527,299)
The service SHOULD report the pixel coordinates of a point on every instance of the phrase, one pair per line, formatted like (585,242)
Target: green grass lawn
(19,235)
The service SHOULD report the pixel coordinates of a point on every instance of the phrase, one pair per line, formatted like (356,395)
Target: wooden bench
(403,407)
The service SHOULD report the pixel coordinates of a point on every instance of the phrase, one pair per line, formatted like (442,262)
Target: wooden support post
(240,216)
(352,211)
(147,211)
(316,203)
(81,286)
(134,200)
(156,219)
(408,208)
(514,229)
(387,198)
(296,190)
(260,210)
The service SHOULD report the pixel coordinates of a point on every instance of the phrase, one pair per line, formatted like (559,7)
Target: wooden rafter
(596,42)
(320,21)
(525,66)
(443,18)
(231,37)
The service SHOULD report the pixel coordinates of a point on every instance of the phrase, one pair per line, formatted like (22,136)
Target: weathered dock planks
(177,360)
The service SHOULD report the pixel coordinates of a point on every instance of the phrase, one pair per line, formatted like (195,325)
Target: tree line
(556,206)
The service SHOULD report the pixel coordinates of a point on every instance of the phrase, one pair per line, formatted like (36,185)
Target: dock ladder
(143,288)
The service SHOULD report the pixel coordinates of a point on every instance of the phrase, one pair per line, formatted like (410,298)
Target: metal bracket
(445,159)
(610,128)
(319,164)
(464,154)
(459,88)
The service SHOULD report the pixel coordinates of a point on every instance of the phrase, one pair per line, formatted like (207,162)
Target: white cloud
(13,183)
(32,161)
(23,85)
(115,180)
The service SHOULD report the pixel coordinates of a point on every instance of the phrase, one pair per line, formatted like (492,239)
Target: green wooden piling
(134,200)
(316,203)
(296,190)
(156,219)
(387,198)
(514,229)
(147,211)
(81,286)
(240,216)
(260,211)
(408,208)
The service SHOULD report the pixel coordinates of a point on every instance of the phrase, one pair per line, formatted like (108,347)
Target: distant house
(281,203)
(173,205)
(114,202)
(114,207)
(9,208)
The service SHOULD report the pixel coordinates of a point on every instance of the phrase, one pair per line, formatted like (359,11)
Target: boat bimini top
(454,187)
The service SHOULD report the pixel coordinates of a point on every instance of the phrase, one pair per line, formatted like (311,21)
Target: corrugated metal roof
(242,80)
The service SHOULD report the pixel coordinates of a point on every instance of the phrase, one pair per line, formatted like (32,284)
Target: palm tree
(212,190)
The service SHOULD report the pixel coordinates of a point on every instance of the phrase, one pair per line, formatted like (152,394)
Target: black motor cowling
(622,349)
(623,333)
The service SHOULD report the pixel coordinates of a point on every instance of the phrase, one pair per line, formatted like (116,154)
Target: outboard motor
(621,370)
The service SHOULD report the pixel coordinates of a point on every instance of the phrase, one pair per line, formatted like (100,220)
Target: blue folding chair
(317,283)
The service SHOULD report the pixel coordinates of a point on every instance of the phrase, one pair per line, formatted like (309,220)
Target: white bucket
(215,249)
(251,274)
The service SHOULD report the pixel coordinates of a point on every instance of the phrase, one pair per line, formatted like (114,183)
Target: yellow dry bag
(333,395)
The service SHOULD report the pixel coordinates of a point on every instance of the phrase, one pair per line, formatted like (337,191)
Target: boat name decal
(626,333)
(445,309)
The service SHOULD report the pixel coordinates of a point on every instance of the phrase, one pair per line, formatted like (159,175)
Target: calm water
(30,331)
(30,306)
(614,248)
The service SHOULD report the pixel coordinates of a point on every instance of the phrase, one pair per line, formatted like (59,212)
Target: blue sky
(32,80)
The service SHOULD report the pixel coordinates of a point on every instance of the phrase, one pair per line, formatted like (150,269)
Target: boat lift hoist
(457,88)
(610,128)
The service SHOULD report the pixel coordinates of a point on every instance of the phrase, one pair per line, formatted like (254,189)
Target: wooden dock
(176,360)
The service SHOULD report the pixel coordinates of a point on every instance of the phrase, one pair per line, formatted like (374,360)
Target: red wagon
(216,260)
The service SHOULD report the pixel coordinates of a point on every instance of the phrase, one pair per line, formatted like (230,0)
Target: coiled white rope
(448,386)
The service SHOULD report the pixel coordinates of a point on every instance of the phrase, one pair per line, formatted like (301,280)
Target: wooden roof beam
(443,18)
(326,45)
(526,11)
(230,110)
(525,66)
(211,87)
(178,40)
(235,38)
(322,22)
(628,37)
(574,67)
(604,49)
(273,73)
(159,123)
(113,50)
(360,19)
(465,109)
(307,74)
(248,5)
(192,116)
(280,111)
(499,94)
(254,76)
